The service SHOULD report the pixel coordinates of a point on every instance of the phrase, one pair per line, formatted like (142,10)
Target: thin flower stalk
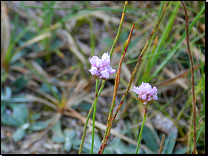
(103,82)
(132,76)
(93,124)
(146,94)
(119,29)
(88,117)
(140,134)
(192,78)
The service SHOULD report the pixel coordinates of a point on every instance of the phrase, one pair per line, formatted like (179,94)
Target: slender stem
(192,77)
(140,134)
(88,117)
(95,104)
(119,29)
(161,144)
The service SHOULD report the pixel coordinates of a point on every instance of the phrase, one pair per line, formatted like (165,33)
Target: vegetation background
(47,90)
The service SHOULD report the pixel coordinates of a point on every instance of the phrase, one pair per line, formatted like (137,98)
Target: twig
(192,77)
(161,144)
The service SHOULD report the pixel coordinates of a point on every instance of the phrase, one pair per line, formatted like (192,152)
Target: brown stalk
(118,74)
(117,80)
(161,144)
(192,77)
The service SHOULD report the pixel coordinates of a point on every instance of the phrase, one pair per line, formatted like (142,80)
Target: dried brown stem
(192,77)
(117,80)
(161,144)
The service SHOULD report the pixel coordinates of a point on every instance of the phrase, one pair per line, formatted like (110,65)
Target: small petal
(144,97)
(112,71)
(99,63)
(105,74)
(94,71)
(105,57)
(94,60)
(155,97)
(136,90)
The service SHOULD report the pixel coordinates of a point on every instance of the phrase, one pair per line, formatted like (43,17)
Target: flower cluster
(146,94)
(101,67)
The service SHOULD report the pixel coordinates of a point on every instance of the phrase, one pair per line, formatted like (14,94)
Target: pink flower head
(146,94)
(94,60)
(101,66)
(105,59)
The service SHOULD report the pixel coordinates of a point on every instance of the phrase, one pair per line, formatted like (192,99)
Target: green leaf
(20,114)
(169,143)
(181,151)
(199,132)
(69,136)
(150,138)
(39,125)
(8,120)
(8,92)
(3,107)
(19,134)
(58,139)
(67,145)
(21,82)
(7,95)
(36,116)
(69,133)
(57,131)
(124,47)
(17,100)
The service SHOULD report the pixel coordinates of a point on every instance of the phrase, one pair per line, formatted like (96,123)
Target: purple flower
(146,94)
(101,66)
(94,71)
(94,60)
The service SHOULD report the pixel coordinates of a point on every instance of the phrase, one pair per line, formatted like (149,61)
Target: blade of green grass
(163,38)
(173,51)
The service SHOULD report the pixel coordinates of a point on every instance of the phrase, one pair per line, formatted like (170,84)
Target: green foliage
(16,114)
(150,138)
(169,143)
(66,137)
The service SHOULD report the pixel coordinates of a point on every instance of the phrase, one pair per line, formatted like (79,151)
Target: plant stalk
(140,134)
(95,104)
(192,77)
(88,117)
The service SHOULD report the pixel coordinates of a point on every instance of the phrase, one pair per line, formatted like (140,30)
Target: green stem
(119,29)
(95,104)
(140,134)
(88,117)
